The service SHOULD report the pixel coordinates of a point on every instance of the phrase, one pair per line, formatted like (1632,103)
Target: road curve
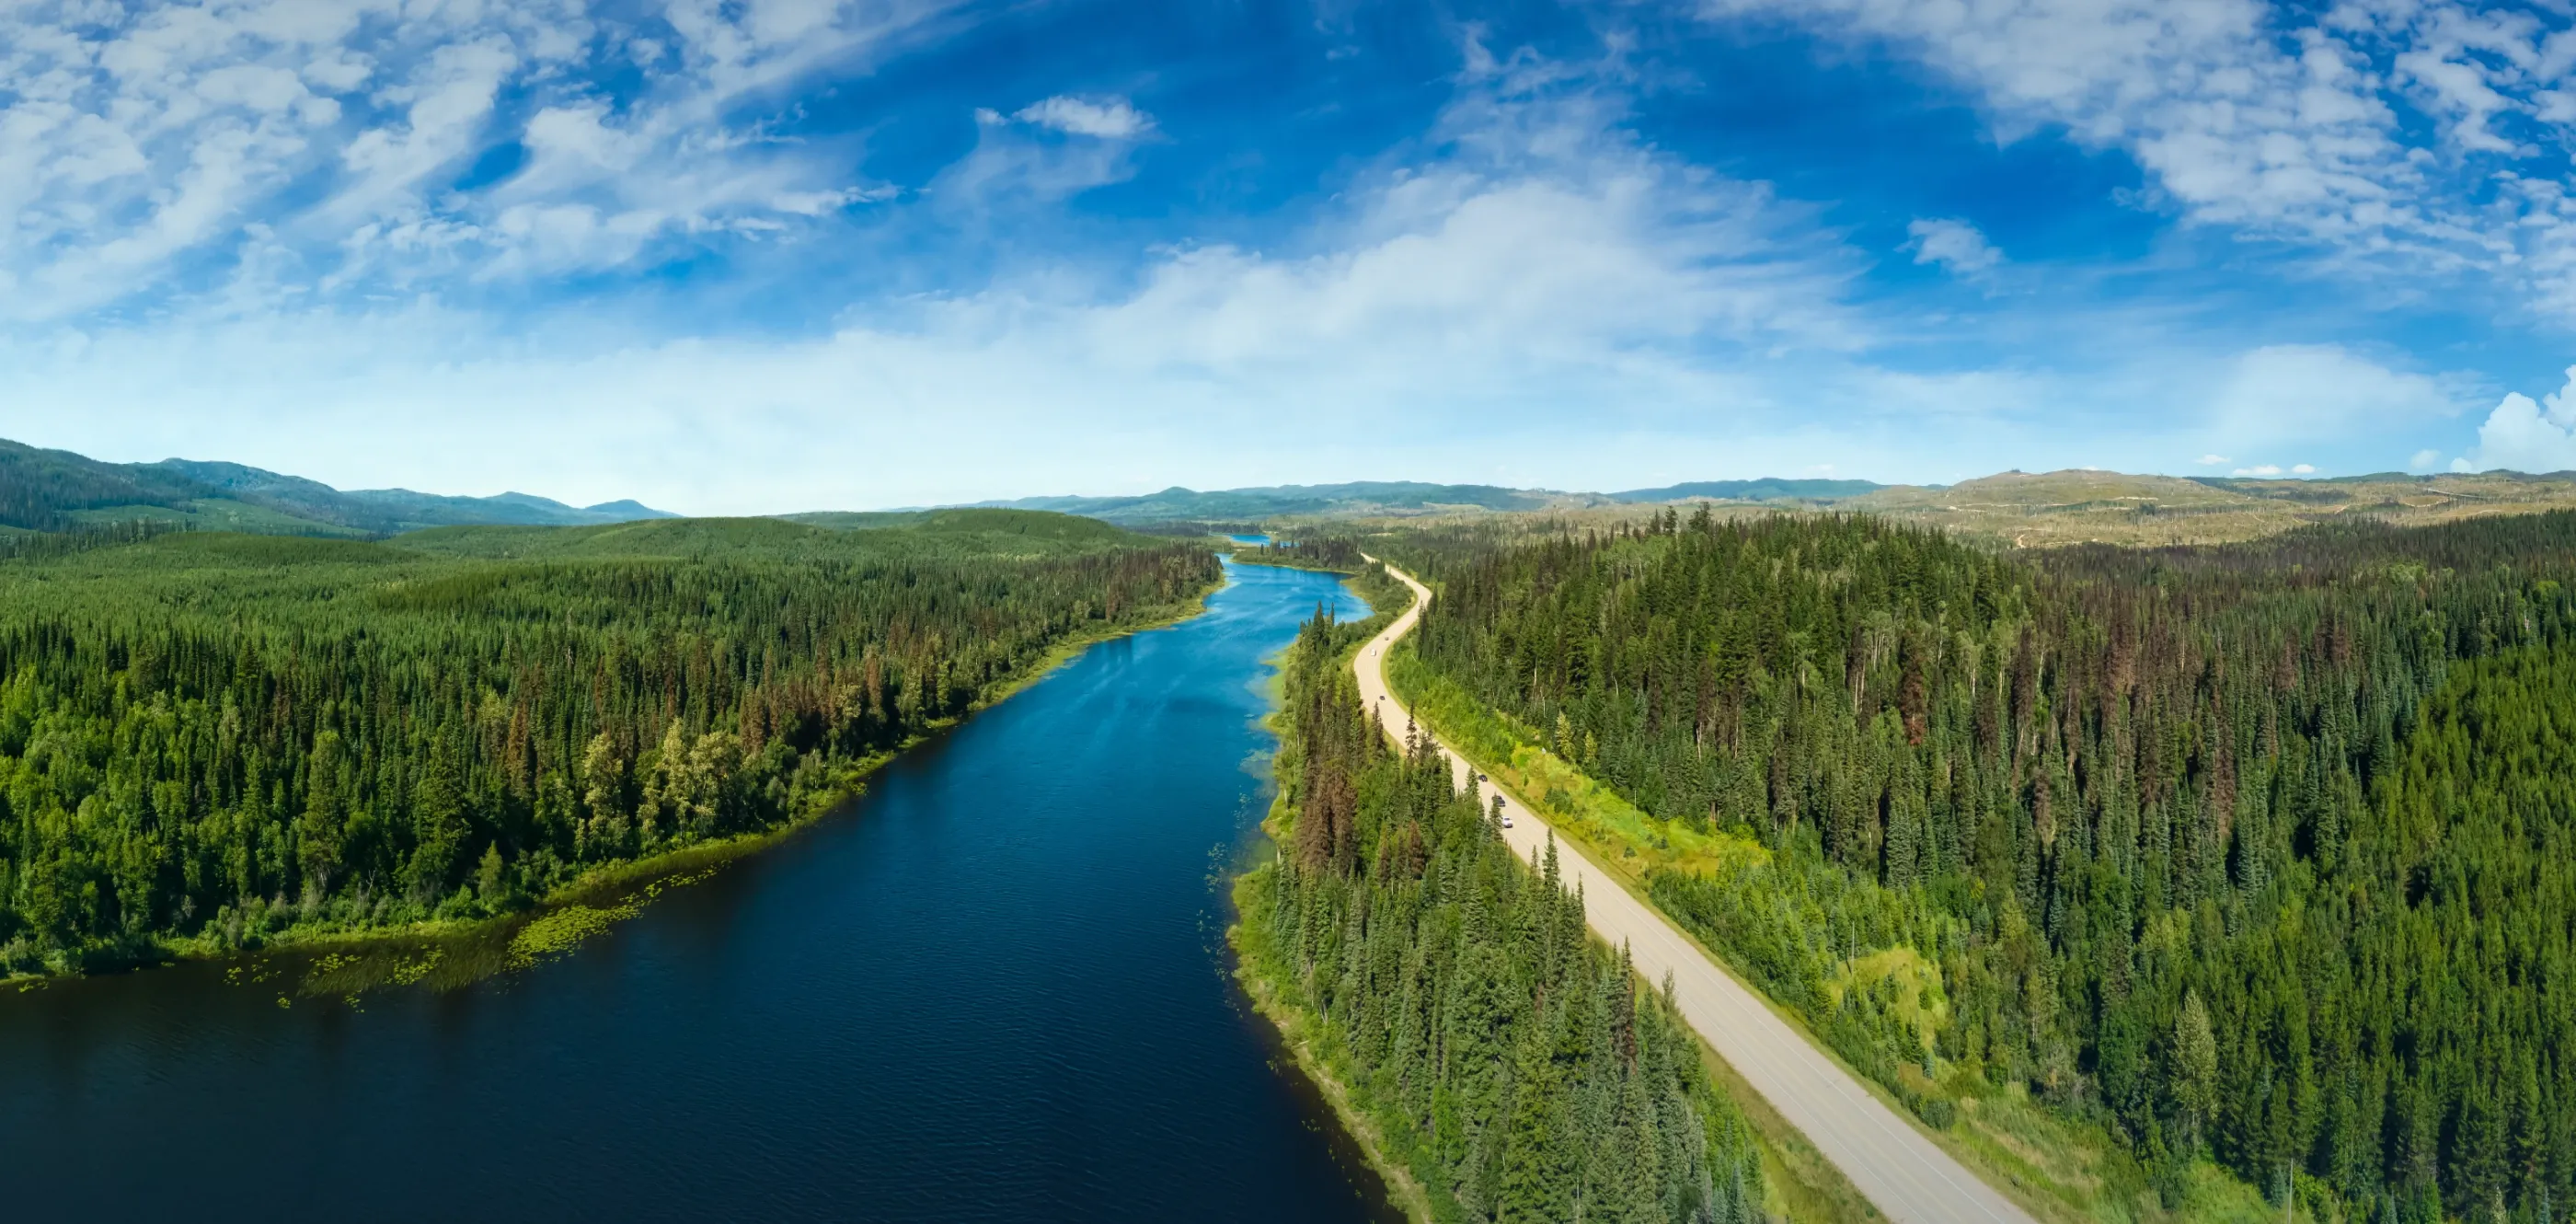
(1892,1164)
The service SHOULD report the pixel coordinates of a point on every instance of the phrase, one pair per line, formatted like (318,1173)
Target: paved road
(1889,1161)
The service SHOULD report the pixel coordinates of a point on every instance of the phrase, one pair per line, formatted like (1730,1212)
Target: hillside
(2050,509)
(1353,500)
(55,490)
(1766,489)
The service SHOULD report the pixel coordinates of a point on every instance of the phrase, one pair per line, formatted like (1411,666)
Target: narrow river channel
(994,988)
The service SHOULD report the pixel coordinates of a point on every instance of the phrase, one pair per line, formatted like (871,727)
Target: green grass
(1801,1184)
(1630,841)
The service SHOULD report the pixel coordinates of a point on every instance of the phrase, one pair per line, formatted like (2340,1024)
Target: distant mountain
(1769,488)
(409,511)
(1357,498)
(52,490)
(627,510)
(1395,497)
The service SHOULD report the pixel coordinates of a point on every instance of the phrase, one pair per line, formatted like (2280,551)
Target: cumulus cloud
(2295,122)
(2214,460)
(1955,245)
(1112,118)
(2274,469)
(2527,437)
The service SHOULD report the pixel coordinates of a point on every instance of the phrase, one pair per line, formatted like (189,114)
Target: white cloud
(2214,460)
(1112,118)
(2528,437)
(1955,245)
(2303,469)
(154,147)
(1443,314)
(2307,394)
(2424,461)
(2260,469)
(1554,260)
(2298,123)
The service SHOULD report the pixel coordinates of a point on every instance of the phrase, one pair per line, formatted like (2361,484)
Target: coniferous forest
(2264,852)
(1507,1056)
(213,738)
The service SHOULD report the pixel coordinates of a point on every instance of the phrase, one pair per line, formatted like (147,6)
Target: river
(993,988)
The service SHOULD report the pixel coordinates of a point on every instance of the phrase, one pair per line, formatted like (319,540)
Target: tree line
(215,738)
(2263,852)
(1511,1060)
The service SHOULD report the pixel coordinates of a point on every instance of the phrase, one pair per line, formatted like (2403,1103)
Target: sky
(762,256)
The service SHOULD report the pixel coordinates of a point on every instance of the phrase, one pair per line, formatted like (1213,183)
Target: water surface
(995,988)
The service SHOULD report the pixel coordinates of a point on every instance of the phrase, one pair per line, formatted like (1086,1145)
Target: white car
(1507,820)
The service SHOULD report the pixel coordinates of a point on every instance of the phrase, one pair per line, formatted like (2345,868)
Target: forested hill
(1177,504)
(52,490)
(211,738)
(2265,852)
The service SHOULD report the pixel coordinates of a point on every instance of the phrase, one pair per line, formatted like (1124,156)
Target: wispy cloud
(1111,118)
(2297,123)
(280,148)
(1952,244)
(303,263)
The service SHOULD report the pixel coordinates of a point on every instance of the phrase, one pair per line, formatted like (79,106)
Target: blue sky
(769,255)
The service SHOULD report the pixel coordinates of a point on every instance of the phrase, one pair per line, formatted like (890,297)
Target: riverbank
(449,952)
(1296,1037)
(1400,904)
(1256,969)
(1006,946)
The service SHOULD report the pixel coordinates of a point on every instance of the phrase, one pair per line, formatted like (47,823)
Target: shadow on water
(995,987)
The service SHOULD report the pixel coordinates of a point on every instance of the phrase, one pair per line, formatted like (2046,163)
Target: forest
(212,739)
(2261,853)
(1331,552)
(1506,1056)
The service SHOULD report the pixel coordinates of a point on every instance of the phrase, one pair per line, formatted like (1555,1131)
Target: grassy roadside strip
(1803,1184)
(451,952)
(2056,1167)
(1610,832)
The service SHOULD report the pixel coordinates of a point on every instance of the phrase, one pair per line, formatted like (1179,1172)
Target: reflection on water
(993,989)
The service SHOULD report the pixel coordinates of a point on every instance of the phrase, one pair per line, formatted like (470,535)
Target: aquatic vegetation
(559,931)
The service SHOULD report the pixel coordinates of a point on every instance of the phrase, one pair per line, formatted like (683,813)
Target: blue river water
(995,988)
